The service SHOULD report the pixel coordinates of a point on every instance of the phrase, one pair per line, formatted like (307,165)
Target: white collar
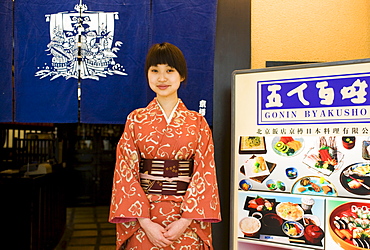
(168,119)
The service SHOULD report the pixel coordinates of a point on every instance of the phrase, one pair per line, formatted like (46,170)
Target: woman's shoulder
(137,111)
(193,113)
(143,111)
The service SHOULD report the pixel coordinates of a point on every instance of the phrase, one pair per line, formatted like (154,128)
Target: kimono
(148,135)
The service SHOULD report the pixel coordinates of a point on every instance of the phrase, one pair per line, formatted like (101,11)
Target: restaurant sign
(314,100)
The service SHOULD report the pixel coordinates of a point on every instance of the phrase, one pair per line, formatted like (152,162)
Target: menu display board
(301,146)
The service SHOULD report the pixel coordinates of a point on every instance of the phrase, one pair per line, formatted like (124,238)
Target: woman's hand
(176,228)
(155,232)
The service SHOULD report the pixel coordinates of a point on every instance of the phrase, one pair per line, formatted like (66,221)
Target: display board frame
(313,104)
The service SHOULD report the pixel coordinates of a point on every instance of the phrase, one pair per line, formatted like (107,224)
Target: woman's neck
(167,104)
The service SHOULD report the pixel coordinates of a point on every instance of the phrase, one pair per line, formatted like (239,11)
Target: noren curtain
(96,50)
(121,86)
(44,91)
(191,26)
(6,15)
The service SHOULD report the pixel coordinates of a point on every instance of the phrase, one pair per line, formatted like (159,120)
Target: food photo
(324,158)
(349,224)
(252,145)
(333,166)
(282,219)
(314,185)
(355,178)
(287,145)
(290,190)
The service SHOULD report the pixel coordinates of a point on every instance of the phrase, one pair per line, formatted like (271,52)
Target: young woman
(165,193)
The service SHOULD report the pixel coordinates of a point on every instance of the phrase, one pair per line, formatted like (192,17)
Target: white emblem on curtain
(82,45)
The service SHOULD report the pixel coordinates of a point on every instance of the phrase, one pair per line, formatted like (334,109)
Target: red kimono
(148,135)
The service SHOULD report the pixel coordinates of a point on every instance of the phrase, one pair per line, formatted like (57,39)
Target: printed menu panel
(308,165)
(283,219)
(301,156)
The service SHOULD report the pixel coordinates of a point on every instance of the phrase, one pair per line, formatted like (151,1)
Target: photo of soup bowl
(272,220)
(348,142)
(249,226)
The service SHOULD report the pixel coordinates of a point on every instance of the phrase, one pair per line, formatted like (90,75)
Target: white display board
(301,135)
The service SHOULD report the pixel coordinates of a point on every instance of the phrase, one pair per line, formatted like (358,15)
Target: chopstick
(296,240)
(362,184)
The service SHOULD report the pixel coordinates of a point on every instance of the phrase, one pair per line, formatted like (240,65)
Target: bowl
(280,185)
(339,211)
(293,229)
(271,184)
(348,142)
(314,234)
(291,173)
(272,220)
(245,185)
(289,211)
(249,226)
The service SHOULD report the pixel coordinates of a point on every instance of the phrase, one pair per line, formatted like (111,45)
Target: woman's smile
(162,86)
(164,80)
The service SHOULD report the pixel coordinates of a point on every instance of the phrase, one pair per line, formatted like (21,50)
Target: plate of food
(287,145)
(325,158)
(256,166)
(356,178)
(293,229)
(349,227)
(289,211)
(314,185)
(259,204)
(252,145)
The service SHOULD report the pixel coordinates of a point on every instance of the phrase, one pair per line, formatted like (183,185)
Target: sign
(302,145)
(330,99)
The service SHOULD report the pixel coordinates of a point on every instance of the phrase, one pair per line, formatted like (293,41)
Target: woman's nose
(162,77)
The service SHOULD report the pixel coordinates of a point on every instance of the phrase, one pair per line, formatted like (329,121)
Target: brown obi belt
(167,177)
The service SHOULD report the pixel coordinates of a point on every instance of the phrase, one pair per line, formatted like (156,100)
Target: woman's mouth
(162,87)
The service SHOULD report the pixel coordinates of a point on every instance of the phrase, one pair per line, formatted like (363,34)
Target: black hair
(166,53)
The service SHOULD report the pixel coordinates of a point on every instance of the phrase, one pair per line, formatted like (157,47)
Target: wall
(251,32)
(232,52)
(309,30)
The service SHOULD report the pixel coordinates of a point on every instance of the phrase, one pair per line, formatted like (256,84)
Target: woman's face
(164,80)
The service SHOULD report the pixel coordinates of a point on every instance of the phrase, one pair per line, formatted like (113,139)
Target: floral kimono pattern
(147,135)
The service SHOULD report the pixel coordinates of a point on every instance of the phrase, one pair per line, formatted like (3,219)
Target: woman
(165,194)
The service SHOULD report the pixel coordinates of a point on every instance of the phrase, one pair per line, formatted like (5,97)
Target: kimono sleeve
(128,198)
(201,200)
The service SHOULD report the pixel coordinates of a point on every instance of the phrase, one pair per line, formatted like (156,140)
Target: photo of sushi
(350,225)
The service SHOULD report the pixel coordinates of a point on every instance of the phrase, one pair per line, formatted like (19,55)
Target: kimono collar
(168,119)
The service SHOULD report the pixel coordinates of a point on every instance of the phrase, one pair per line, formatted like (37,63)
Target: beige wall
(309,30)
